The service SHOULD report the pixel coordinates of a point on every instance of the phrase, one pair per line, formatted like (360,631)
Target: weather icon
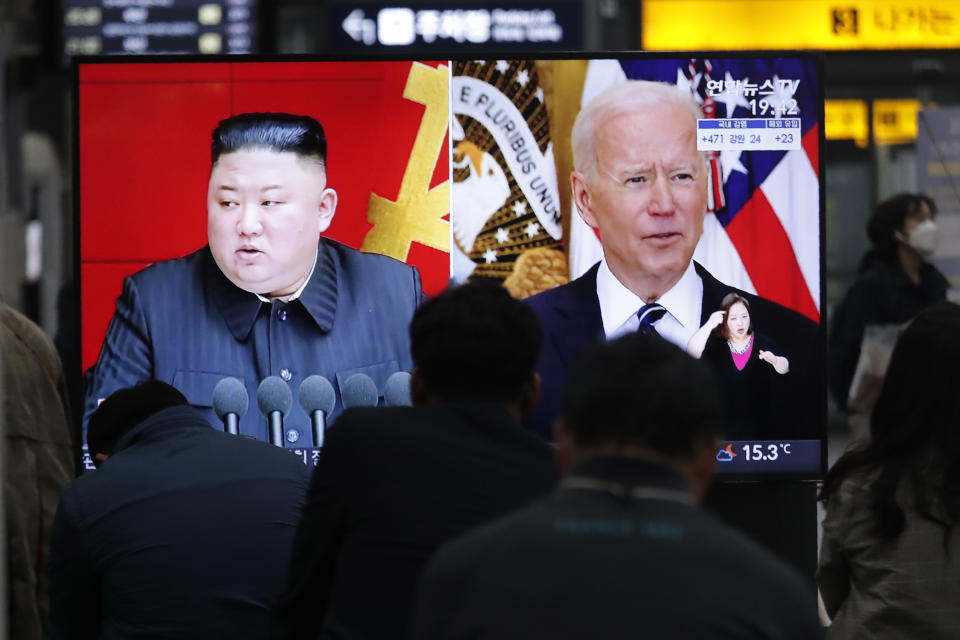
(726,455)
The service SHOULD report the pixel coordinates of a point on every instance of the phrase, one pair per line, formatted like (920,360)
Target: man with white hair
(641,183)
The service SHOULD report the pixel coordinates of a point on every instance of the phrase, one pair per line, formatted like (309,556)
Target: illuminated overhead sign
(895,121)
(846,120)
(799,24)
(95,27)
(526,26)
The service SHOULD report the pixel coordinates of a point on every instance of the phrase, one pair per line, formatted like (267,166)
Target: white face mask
(923,237)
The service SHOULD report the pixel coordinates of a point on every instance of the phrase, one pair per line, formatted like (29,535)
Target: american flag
(763,235)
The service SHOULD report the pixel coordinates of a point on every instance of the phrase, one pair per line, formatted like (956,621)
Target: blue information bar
(748,134)
(748,123)
(777,456)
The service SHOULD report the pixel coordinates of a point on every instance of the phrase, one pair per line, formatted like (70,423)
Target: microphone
(359,390)
(317,398)
(396,392)
(274,400)
(230,401)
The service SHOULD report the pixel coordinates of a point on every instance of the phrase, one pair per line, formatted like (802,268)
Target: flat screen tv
(462,168)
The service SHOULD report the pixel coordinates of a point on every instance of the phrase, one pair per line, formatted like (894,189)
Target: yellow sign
(895,121)
(669,25)
(846,120)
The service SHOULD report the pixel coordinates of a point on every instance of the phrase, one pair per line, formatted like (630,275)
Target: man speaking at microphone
(393,483)
(267,296)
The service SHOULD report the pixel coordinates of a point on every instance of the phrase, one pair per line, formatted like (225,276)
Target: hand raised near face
(716,319)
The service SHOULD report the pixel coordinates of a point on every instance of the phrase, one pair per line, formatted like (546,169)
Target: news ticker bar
(734,456)
(309,455)
(748,134)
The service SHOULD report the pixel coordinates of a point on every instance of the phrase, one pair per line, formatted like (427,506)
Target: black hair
(125,409)
(889,216)
(728,301)
(475,341)
(914,433)
(274,131)
(642,390)
(930,202)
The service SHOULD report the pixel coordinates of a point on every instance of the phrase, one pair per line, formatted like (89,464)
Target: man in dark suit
(267,296)
(183,532)
(641,182)
(393,483)
(620,549)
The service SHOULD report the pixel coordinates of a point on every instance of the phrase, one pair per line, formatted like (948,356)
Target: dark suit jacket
(183,322)
(392,484)
(586,563)
(571,321)
(184,532)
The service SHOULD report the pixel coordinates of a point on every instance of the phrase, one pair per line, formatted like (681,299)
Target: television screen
(466,168)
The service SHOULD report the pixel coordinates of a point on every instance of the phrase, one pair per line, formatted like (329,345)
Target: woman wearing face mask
(748,366)
(894,282)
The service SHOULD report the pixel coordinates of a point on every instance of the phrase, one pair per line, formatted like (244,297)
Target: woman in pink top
(746,363)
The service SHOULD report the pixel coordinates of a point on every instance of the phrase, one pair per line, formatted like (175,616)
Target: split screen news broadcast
(274,289)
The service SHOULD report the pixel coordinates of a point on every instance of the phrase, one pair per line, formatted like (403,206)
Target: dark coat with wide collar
(182,321)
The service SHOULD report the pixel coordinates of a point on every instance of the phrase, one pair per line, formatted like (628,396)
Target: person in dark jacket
(394,483)
(620,549)
(267,295)
(182,532)
(39,457)
(894,283)
(889,564)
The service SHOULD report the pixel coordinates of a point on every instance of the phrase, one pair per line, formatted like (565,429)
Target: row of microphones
(316,396)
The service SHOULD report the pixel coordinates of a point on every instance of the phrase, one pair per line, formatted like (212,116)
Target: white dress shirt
(295,294)
(619,306)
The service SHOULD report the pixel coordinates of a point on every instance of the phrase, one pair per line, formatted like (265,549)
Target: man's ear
(566,451)
(581,197)
(531,393)
(418,391)
(326,208)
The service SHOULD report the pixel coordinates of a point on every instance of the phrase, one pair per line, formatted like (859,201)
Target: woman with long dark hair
(894,282)
(890,560)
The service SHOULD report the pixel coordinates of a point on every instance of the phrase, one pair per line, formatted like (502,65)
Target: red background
(144,136)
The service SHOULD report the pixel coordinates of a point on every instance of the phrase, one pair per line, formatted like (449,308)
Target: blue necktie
(648,314)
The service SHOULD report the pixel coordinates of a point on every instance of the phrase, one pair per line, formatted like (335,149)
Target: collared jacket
(183,322)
